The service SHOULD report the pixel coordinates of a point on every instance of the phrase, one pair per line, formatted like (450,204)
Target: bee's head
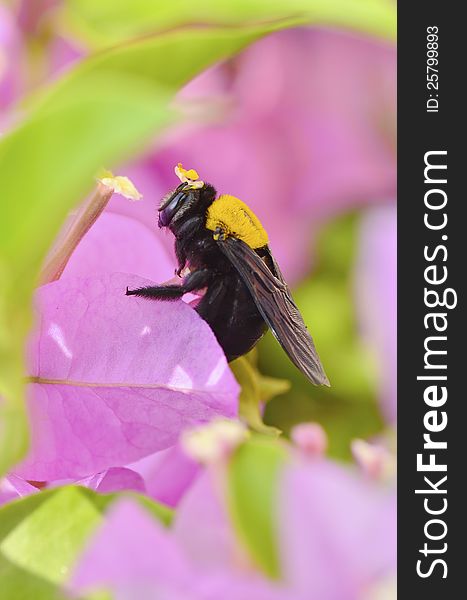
(190,196)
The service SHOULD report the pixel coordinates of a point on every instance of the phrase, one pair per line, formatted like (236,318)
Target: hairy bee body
(225,249)
(226,305)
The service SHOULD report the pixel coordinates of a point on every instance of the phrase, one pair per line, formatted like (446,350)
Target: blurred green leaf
(349,408)
(110,21)
(252,491)
(41,536)
(47,542)
(270,387)
(19,584)
(99,595)
(256,389)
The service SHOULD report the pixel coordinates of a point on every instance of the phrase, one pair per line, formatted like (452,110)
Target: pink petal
(376,293)
(135,557)
(121,377)
(115,479)
(117,243)
(13,487)
(10,75)
(131,551)
(168,474)
(337,532)
(153,185)
(203,527)
(32,12)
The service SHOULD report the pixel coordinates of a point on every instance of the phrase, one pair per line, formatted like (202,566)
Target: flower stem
(82,222)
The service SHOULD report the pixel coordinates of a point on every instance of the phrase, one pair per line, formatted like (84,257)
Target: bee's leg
(161,292)
(194,281)
(219,234)
(181,258)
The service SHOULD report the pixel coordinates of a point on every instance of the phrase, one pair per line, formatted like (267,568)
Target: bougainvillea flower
(135,557)
(334,532)
(324,506)
(116,243)
(14,487)
(167,474)
(153,185)
(375,460)
(376,293)
(9,54)
(310,438)
(31,13)
(202,525)
(319,505)
(114,379)
(116,479)
(164,476)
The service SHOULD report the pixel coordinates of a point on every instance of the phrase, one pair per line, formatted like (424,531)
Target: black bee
(225,248)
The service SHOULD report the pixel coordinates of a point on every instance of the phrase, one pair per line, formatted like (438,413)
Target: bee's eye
(173,198)
(171,206)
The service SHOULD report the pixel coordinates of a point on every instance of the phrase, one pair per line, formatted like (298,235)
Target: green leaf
(111,21)
(252,491)
(159,511)
(349,408)
(18,584)
(255,389)
(41,536)
(13,513)
(48,541)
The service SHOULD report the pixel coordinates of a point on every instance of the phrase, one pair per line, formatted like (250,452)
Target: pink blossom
(115,479)
(116,378)
(310,439)
(135,557)
(164,476)
(202,525)
(376,293)
(167,474)
(29,22)
(13,487)
(337,531)
(31,13)
(117,243)
(10,47)
(334,531)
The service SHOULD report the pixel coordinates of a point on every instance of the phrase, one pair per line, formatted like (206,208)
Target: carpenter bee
(224,248)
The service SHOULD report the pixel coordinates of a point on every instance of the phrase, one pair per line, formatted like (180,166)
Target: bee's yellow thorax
(236,219)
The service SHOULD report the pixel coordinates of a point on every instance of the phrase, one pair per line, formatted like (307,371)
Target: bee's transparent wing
(275,303)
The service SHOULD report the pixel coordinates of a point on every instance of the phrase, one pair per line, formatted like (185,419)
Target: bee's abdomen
(231,312)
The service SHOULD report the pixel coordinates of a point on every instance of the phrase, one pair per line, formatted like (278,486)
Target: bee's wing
(275,303)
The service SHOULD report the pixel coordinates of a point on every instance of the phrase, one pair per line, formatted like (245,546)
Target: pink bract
(13,487)
(376,294)
(167,474)
(116,243)
(116,378)
(337,531)
(135,557)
